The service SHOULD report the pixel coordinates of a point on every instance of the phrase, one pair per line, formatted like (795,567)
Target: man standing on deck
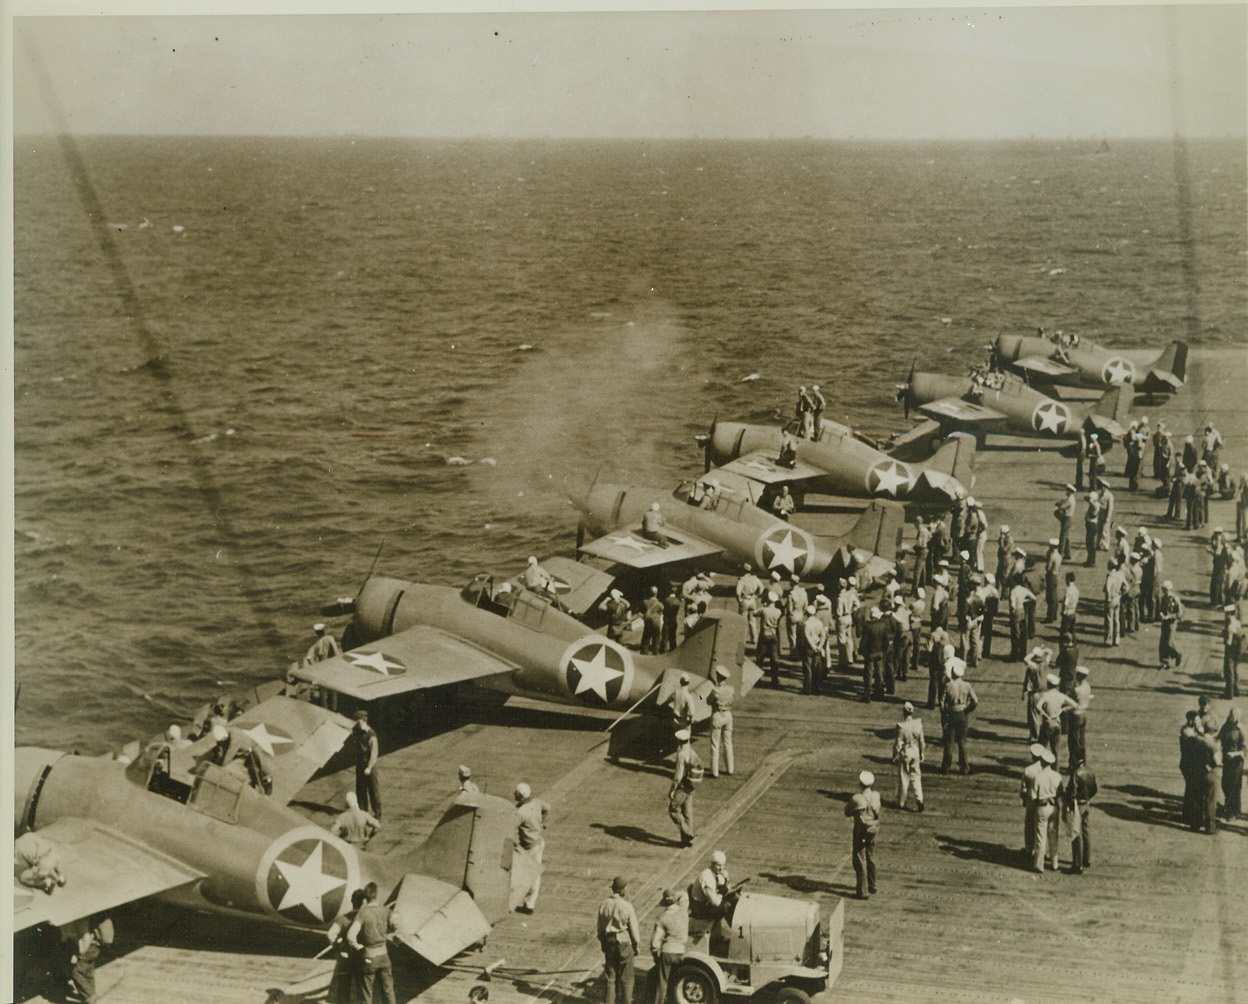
(364,746)
(908,751)
(671,618)
(864,808)
(1052,570)
(367,935)
(688,771)
(1170,612)
(767,654)
(1232,650)
(668,943)
(1070,606)
(1050,705)
(1077,791)
(874,652)
(817,405)
(1042,799)
(531,816)
(1092,527)
(749,590)
(651,622)
(1064,511)
(1019,597)
(1077,727)
(721,699)
(618,935)
(960,702)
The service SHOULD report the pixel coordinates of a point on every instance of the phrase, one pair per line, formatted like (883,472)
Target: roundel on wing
(1052,417)
(785,548)
(306,876)
(597,671)
(889,478)
(1118,370)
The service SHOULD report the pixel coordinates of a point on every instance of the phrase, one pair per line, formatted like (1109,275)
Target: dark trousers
(767,657)
(377,973)
(1018,635)
(1050,600)
(662,972)
(812,668)
(1210,787)
(901,658)
(864,860)
(669,633)
(368,791)
(1077,738)
(617,966)
(1192,781)
(873,676)
(1050,733)
(1232,787)
(1063,538)
(1165,645)
(1068,624)
(650,632)
(955,732)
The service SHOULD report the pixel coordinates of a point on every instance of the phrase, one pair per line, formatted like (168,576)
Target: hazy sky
(876,73)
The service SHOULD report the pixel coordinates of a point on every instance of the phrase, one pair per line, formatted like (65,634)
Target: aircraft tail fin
(1169,372)
(461,880)
(956,457)
(718,640)
(878,529)
(1109,414)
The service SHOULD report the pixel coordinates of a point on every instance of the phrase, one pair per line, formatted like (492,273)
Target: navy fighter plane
(968,404)
(214,842)
(1054,362)
(715,522)
(408,637)
(839,463)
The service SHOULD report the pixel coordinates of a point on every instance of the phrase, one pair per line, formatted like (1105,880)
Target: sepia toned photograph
(627,506)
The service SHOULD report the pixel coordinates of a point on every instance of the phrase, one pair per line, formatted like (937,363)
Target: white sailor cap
(866,779)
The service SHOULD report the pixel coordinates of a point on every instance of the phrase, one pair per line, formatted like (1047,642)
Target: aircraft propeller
(704,441)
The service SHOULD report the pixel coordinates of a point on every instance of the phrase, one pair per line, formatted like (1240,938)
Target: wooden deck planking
(1157,918)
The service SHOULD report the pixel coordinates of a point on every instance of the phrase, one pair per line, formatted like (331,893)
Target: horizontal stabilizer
(436,920)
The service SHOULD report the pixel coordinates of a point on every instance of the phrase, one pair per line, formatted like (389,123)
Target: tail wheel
(694,985)
(791,995)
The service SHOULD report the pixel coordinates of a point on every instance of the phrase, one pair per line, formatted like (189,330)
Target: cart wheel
(693,985)
(791,995)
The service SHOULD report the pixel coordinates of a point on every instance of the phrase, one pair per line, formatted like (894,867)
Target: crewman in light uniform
(908,752)
(720,699)
(325,646)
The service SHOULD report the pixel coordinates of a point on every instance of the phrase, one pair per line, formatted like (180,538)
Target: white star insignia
(376,661)
(262,737)
(1050,417)
(629,541)
(784,553)
(1118,370)
(307,884)
(595,673)
(889,477)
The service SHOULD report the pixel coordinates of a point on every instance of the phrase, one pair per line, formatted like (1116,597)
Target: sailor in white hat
(864,808)
(959,702)
(325,646)
(685,777)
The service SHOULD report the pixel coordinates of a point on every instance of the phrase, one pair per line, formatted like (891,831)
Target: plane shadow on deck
(807,886)
(636,834)
(982,850)
(1148,805)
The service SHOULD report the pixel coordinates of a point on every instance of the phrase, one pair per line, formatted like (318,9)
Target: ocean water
(243,367)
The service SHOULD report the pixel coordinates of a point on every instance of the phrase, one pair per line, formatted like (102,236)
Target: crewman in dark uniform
(367,935)
(652,623)
(344,983)
(671,618)
(1077,791)
(363,741)
(875,642)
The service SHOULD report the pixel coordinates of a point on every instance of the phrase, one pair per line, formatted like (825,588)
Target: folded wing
(762,467)
(104,869)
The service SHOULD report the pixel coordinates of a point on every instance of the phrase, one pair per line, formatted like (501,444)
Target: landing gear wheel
(693,985)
